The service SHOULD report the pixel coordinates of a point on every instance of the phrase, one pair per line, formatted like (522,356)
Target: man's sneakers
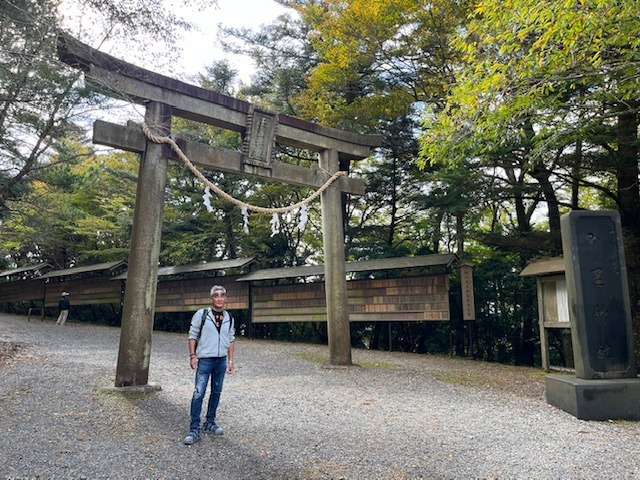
(213,428)
(209,427)
(192,438)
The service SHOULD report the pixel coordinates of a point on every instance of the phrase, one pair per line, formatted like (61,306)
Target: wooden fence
(408,299)
(399,299)
(85,291)
(190,294)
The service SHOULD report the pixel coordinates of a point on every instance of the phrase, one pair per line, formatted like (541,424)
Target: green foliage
(79,213)
(377,58)
(42,101)
(496,116)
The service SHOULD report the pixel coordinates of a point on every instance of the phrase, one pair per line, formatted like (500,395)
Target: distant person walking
(63,306)
(211,350)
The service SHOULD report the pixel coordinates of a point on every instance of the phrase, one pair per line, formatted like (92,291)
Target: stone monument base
(595,399)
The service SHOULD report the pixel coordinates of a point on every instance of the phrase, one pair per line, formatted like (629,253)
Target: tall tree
(42,100)
(556,83)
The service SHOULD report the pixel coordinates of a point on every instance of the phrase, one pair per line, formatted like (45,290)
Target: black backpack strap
(202,320)
(230,321)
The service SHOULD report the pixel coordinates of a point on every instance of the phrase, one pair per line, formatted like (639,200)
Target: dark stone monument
(605,385)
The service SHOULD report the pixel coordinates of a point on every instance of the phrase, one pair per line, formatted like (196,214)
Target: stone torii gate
(165,97)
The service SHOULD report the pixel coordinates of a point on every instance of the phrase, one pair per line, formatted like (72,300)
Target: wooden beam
(544,339)
(139,85)
(334,268)
(132,139)
(140,294)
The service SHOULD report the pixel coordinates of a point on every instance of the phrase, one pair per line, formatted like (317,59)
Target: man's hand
(194,363)
(231,369)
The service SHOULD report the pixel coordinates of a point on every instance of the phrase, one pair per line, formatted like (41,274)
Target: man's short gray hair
(217,288)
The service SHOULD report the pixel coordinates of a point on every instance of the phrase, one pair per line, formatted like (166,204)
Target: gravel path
(398,416)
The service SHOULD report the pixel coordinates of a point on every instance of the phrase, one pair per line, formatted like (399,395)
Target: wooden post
(44,300)
(140,293)
(544,340)
(250,332)
(338,330)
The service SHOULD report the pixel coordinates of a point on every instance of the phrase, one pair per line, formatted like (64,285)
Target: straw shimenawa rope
(224,195)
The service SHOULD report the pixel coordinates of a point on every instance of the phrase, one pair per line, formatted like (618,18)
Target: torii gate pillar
(335,283)
(140,294)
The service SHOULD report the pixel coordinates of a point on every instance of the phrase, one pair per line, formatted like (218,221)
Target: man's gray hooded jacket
(212,343)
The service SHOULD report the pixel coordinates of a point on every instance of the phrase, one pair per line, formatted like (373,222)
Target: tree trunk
(394,203)
(460,234)
(231,239)
(627,171)
(575,176)
(437,231)
(541,174)
(629,202)
(522,218)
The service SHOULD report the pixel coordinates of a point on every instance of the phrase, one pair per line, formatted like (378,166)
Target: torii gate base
(164,97)
(132,390)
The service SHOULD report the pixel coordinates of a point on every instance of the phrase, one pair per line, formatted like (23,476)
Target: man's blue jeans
(214,368)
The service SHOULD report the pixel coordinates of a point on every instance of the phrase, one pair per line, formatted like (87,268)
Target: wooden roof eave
(425,261)
(543,267)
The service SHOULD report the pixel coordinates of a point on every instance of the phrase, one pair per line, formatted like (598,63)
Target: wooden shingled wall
(177,295)
(423,298)
(84,291)
(21,291)
(398,299)
(191,294)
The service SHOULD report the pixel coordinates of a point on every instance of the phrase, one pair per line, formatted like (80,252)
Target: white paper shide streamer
(275,218)
(275,224)
(245,220)
(206,197)
(304,217)
(301,206)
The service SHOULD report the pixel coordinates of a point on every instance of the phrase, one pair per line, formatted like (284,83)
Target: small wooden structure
(553,304)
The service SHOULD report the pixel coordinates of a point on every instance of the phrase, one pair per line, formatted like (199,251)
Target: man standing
(63,306)
(211,350)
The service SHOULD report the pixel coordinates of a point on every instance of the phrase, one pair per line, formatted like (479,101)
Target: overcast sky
(199,47)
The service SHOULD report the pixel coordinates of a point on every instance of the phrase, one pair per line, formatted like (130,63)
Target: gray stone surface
(595,399)
(598,294)
(399,416)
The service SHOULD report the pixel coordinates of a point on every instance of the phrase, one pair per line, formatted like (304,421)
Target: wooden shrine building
(404,289)
(553,304)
